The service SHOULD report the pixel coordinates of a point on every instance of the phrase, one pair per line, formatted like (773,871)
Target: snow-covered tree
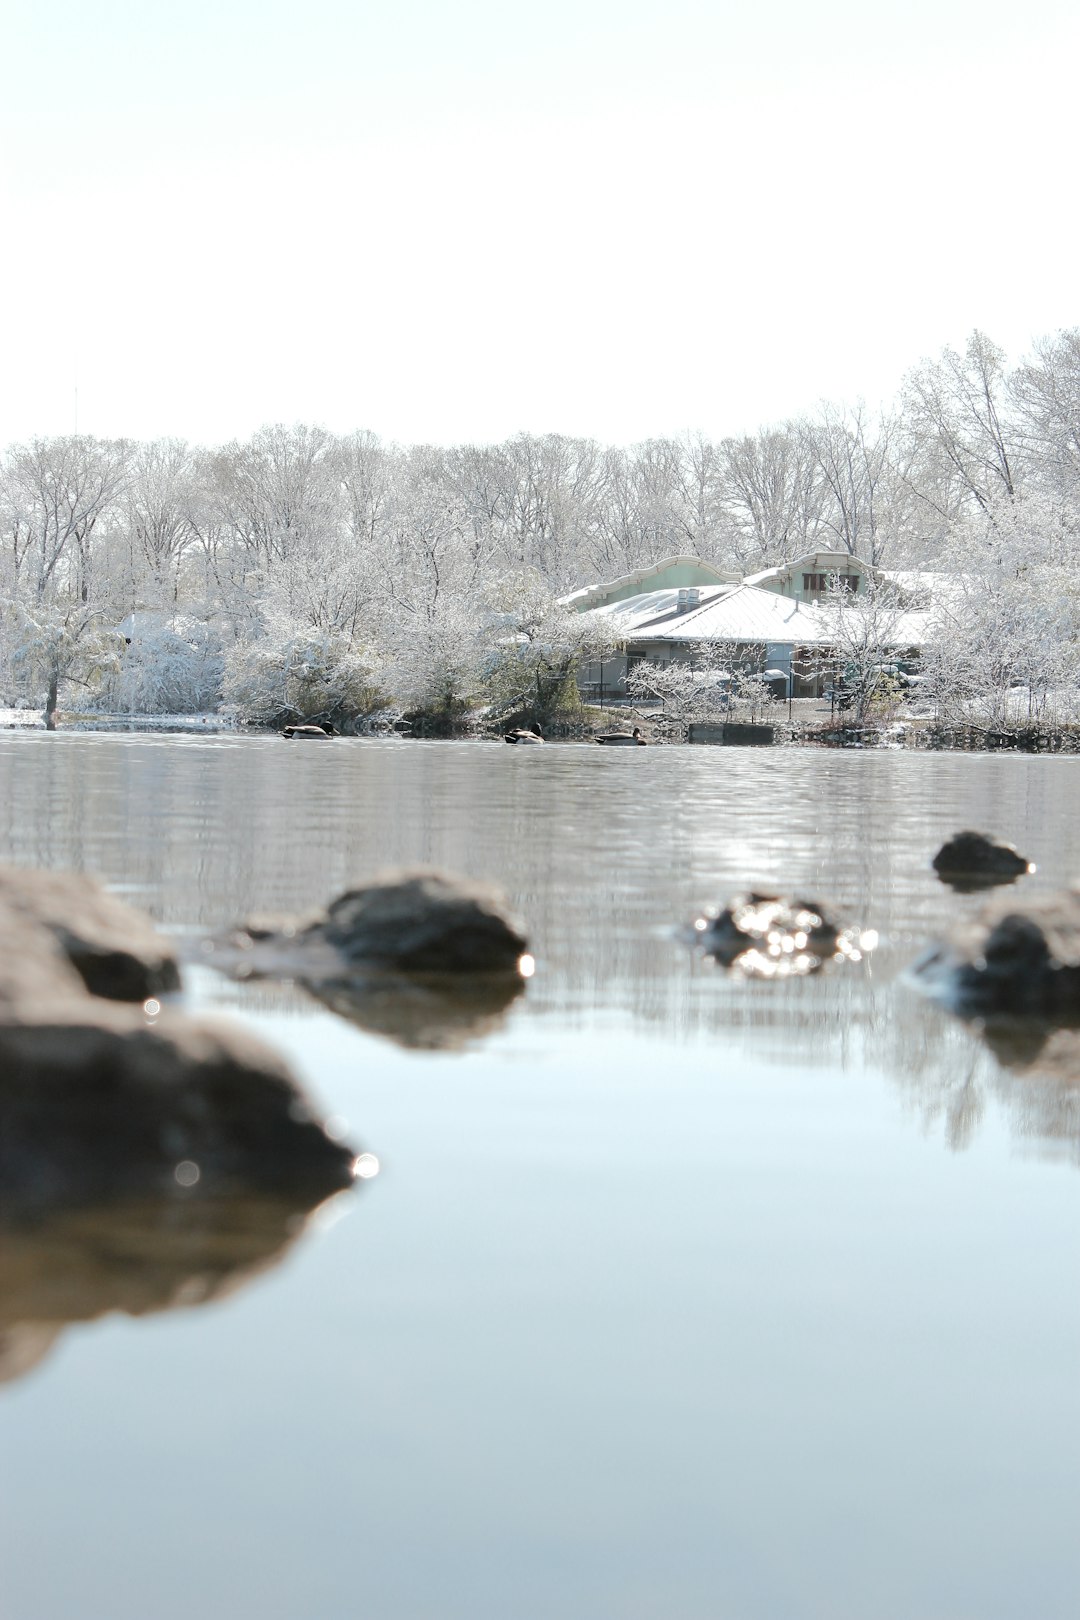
(772,495)
(291,672)
(864,634)
(56,493)
(436,661)
(536,644)
(157,511)
(959,406)
(1004,646)
(54,643)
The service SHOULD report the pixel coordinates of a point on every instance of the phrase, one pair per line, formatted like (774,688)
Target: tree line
(303,572)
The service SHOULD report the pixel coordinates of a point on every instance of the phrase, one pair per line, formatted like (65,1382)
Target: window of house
(818,584)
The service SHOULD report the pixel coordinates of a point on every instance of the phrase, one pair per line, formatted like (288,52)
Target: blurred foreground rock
(102,1103)
(970,861)
(768,936)
(1009,959)
(101,1100)
(423,958)
(144,1155)
(116,951)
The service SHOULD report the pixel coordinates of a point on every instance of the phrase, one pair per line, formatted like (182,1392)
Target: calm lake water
(676,1298)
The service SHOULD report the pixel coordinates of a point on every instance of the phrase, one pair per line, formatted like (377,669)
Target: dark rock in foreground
(146,1158)
(117,952)
(971,861)
(102,1104)
(769,936)
(1010,960)
(34,971)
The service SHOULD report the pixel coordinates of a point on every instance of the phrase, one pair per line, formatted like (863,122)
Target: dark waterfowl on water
(322,730)
(619,739)
(522,734)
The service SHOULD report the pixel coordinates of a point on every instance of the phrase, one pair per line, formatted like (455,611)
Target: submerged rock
(769,936)
(971,861)
(117,952)
(1010,959)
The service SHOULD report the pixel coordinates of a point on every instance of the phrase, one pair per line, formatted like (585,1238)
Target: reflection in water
(153,1254)
(952,1070)
(1036,1079)
(425,1011)
(203,832)
(972,883)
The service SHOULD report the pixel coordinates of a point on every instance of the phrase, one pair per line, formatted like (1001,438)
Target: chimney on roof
(688,599)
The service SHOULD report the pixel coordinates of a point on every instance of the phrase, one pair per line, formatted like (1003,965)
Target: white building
(770,620)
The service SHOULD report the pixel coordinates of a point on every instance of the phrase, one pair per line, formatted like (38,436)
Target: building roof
(748,614)
(695,571)
(635,612)
(836,562)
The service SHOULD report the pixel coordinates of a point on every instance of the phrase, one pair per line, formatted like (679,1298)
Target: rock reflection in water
(1040,1076)
(954,1070)
(974,884)
(423,1011)
(137,1256)
(426,1012)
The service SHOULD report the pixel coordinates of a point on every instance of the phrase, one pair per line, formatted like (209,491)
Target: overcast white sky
(453,222)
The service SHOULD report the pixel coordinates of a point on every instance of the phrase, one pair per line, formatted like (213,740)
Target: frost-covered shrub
(170,665)
(300,674)
(715,682)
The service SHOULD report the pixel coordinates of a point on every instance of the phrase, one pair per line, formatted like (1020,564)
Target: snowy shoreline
(200,724)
